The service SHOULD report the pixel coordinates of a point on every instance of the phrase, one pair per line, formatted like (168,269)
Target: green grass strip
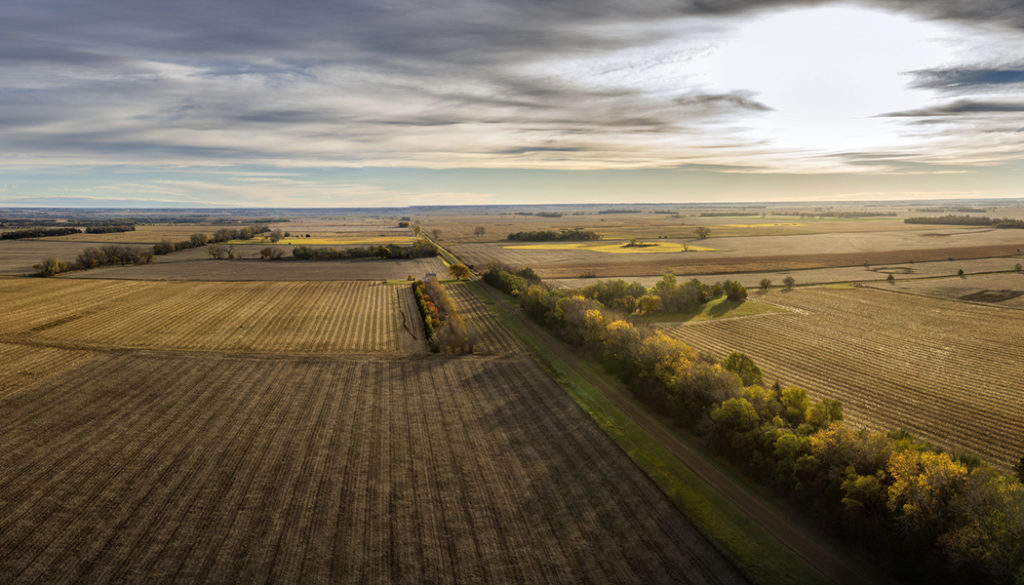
(763,558)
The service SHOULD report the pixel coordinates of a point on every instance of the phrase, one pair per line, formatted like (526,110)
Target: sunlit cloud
(291,94)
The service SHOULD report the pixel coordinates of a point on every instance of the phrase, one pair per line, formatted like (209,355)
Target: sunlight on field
(363,241)
(614,248)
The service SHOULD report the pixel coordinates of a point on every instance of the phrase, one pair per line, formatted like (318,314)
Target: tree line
(553,236)
(89,258)
(925,513)
(418,249)
(39,232)
(444,326)
(998,223)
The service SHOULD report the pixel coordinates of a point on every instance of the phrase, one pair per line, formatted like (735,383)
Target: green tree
(734,291)
(744,367)
(648,303)
(765,284)
(789,282)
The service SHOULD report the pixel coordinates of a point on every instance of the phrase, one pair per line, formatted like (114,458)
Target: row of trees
(38,232)
(554,236)
(999,223)
(418,249)
(924,512)
(110,255)
(109,228)
(444,326)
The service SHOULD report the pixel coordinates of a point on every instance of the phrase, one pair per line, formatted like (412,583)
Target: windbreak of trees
(553,236)
(419,249)
(39,232)
(927,514)
(110,255)
(445,328)
(1004,223)
(196,240)
(109,228)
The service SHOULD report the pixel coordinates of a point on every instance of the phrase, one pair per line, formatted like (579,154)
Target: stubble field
(948,372)
(301,433)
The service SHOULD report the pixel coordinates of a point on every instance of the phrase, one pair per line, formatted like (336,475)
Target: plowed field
(949,372)
(488,335)
(198,468)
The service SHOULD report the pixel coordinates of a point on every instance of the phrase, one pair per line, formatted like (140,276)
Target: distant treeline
(109,228)
(729,213)
(419,249)
(553,236)
(39,232)
(541,213)
(926,515)
(614,211)
(951,209)
(847,214)
(1003,223)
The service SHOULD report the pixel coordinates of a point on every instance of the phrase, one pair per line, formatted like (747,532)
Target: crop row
(294,470)
(947,372)
(24,365)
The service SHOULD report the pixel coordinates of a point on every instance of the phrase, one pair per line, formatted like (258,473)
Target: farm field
(316,317)
(18,256)
(487,334)
(1004,290)
(894,360)
(761,254)
(202,468)
(901,271)
(196,265)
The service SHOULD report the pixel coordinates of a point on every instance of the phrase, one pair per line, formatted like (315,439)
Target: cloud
(960,107)
(722,101)
(968,78)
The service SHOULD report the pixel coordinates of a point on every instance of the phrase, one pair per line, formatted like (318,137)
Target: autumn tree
(479,231)
(702,232)
(459,271)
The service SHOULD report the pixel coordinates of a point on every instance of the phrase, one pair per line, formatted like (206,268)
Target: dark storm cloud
(961,107)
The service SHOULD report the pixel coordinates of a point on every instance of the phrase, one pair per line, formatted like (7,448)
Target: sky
(356,103)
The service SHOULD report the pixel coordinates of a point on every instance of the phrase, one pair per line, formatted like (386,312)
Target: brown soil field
(948,372)
(196,265)
(193,468)
(488,335)
(903,272)
(756,254)
(320,317)
(1004,290)
(145,234)
(23,365)
(461,228)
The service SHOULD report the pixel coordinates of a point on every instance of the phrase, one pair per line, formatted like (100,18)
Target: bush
(734,291)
